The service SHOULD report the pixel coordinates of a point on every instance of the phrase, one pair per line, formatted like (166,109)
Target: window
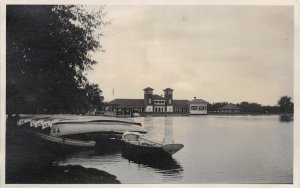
(149,101)
(170,101)
(194,107)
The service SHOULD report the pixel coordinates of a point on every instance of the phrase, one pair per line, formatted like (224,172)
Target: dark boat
(136,143)
(286,117)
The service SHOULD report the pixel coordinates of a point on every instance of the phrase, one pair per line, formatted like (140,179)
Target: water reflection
(112,160)
(165,164)
(168,130)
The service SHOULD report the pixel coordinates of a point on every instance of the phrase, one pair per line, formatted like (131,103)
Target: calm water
(218,149)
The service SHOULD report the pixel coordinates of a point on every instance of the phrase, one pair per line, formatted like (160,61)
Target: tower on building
(168,95)
(148,93)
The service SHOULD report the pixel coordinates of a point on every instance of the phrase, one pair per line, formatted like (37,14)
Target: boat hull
(67,141)
(61,129)
(165,150)
(131,150)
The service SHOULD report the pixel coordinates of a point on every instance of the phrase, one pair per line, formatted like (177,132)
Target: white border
(156,2)
(2,90)
(294,3)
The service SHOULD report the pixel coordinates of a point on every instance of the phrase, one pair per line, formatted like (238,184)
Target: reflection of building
(230,109)
(158,104)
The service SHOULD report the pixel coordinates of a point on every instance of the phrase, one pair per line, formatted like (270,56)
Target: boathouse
(158,104)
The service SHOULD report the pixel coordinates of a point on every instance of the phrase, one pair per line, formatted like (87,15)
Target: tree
(285,105)
(214,107)
(48,53)
(251,107)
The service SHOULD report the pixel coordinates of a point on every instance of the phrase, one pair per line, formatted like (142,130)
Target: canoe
(66,141)
(137,143)
(71,127)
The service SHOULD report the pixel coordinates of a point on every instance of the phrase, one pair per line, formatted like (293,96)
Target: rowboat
(137,143)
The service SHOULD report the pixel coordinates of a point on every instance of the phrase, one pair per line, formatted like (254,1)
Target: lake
(217,149)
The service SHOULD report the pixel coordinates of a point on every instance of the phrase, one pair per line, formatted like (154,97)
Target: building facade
(198,106)
(230,109)
(158,104)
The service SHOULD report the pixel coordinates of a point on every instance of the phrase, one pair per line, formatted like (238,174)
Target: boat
(113,126)
(77,131)
(286,117)
(66,141)
(136,142)
(135,113)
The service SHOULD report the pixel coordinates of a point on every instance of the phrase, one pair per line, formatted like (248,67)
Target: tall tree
(48,53)
(285,105)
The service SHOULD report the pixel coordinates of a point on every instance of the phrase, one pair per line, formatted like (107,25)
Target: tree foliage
(48,53)
(214,107)
(286,105)
(247,108)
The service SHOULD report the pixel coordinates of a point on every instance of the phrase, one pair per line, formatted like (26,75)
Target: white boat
(135,113)
(64,128)
(72,130)
(138,143)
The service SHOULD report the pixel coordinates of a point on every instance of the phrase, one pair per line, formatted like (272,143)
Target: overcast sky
(216,53)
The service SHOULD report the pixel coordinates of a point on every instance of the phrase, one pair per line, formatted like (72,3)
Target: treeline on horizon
(284,105)
(48,52)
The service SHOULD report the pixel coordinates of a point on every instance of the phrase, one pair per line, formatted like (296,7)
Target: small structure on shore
(198,106)
(230,109)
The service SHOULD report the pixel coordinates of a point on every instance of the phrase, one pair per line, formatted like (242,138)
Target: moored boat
(77,131)
(115,127)
(286,117)
(137,143)
(135,113)
(66,141)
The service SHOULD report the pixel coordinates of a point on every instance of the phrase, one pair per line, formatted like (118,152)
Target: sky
(216,53)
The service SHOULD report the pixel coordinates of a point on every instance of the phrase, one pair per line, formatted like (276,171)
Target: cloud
(219,53)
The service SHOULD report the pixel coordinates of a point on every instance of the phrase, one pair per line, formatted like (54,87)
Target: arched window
(149,101)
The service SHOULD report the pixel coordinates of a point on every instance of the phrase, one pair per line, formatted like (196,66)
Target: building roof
(198,101)
(168,89)
(122,103)
(230,107)
(148,88)
(157,97)
(180,102)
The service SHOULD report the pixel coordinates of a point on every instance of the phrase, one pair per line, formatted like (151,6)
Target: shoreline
(29,160)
